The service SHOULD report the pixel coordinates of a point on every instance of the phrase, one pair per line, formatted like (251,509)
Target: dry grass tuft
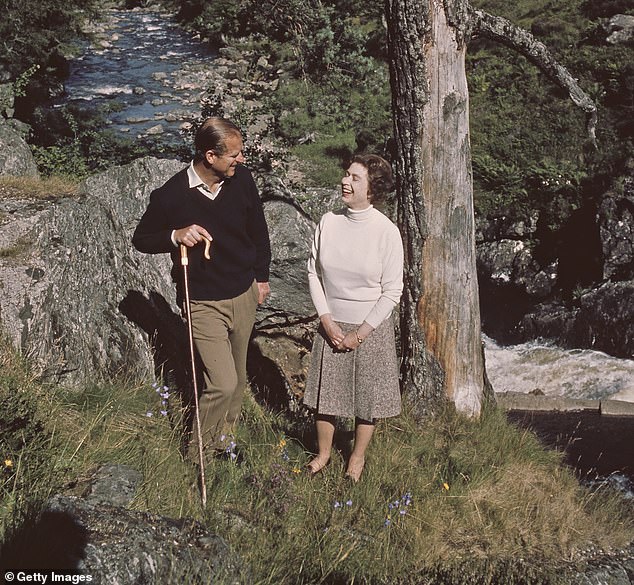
(37,188)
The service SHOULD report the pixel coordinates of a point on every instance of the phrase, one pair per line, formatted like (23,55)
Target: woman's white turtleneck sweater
(355,270)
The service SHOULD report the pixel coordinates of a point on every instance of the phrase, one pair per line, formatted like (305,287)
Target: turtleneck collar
(359,214)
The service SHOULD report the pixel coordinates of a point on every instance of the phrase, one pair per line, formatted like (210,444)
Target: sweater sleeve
(391,279)
(316,289)
(259,233)
(153,234)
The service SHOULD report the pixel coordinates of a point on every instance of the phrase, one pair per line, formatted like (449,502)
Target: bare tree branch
(503,31)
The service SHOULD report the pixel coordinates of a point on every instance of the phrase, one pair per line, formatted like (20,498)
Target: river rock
(599,319)
(158,129)
(615,568)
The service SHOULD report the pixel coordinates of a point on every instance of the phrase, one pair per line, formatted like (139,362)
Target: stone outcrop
(16,157)
(84,304)
(97,535)
(620,30)
(583,297)
(601,319)
(68,289)
(615,218)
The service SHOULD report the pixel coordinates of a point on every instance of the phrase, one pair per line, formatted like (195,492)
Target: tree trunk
(440,315)
(442,354)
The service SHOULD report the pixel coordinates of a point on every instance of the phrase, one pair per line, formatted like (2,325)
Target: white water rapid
(573,373)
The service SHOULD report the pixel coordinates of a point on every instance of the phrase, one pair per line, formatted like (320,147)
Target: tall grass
(452,501)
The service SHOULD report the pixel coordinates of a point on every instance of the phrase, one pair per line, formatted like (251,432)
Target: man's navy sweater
(240,251)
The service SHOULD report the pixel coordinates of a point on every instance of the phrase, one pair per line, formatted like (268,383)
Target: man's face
(224,165)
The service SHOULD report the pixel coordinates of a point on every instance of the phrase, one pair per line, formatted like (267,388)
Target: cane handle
(207,246)
(184,257)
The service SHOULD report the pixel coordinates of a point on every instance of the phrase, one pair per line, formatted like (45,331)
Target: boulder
(511,262)
(600,319)
(84,304)
(99,537)
(7,100)
(620,29)
(16,157)
(615,217)
(79,292)
(573,287)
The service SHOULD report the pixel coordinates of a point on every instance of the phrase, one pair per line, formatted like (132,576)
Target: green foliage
(324,122)
(20,84)
(328,38)
(606,8)
(71,142)
(33,32)
(24,441)
(529,143)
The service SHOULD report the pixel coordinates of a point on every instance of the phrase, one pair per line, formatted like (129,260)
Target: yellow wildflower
(8,463)
(446,486)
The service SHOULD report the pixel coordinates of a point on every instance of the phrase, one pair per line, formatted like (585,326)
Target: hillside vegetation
(451,502)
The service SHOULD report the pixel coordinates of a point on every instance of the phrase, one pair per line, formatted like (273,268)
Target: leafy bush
(71,142)
(45,23)
(529,142)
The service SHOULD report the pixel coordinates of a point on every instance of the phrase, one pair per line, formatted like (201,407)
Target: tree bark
(440,319)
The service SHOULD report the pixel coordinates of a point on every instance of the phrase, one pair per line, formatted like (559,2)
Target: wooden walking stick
(192,355)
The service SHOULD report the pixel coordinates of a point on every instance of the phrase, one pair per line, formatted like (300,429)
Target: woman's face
(354,187)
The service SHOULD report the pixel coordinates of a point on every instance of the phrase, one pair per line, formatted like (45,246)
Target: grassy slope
(451,500)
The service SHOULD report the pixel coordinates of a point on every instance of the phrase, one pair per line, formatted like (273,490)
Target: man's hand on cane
(191,235)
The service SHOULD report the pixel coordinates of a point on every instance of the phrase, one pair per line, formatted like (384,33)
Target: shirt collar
(195,182)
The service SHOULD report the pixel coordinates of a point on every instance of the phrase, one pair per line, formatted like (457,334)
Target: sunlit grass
(437,503)
(23,187)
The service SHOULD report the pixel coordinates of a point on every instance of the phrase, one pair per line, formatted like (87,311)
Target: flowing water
(600,447)
(573,373)
(140,69)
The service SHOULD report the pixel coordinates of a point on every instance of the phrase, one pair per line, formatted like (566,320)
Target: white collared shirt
(195,182)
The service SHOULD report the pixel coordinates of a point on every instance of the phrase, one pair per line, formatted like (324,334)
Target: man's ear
(210,155)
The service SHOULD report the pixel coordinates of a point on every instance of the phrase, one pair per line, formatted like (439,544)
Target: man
(215,197)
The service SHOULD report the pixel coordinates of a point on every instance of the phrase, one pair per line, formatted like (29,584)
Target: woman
(355,273)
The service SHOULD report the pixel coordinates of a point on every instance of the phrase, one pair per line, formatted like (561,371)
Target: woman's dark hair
(212,135)
(380,179)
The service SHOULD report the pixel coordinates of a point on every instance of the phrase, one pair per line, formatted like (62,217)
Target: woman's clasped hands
(338,339)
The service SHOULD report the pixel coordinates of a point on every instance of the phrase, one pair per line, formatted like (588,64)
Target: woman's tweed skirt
(362,383)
